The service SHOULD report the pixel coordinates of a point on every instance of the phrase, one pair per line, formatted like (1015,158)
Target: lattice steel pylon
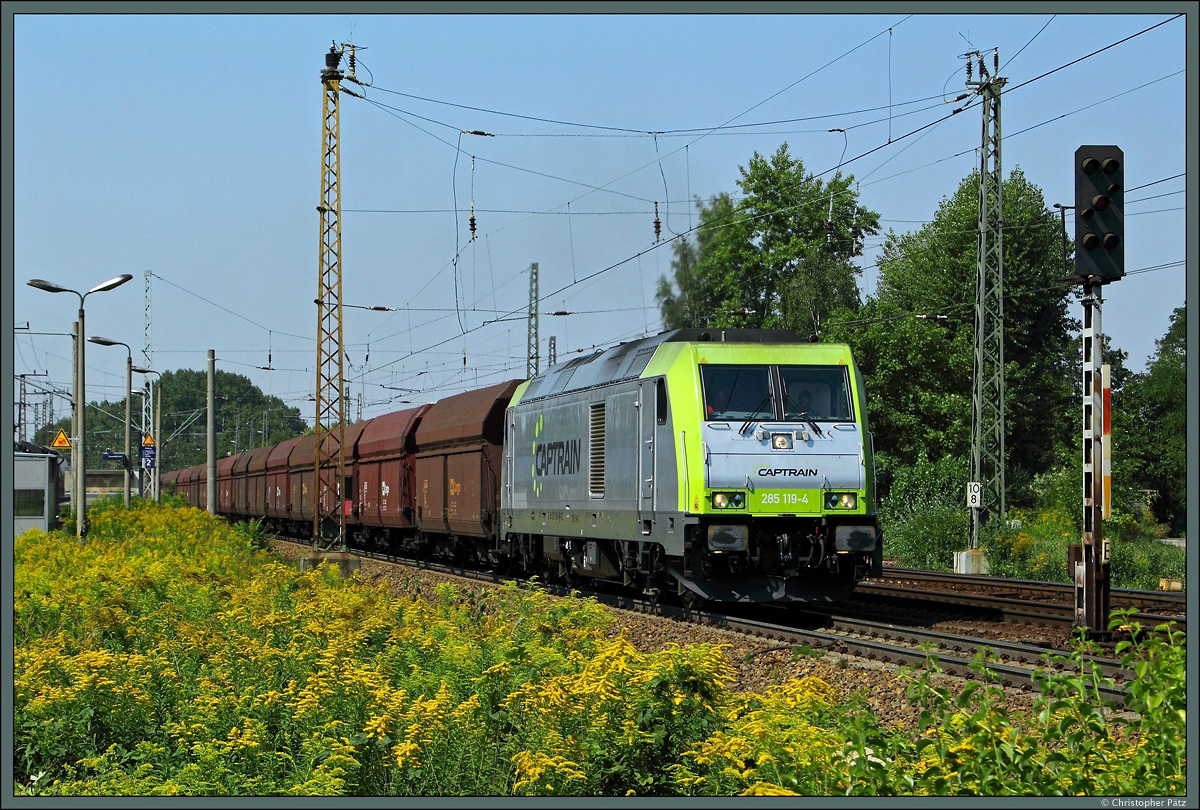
(329,520)
(532,359)
(987,402)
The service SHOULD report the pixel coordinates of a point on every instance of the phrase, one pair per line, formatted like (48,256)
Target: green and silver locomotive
(722,465)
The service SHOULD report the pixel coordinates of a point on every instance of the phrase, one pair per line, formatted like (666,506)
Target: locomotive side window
(660,400)
(736,393)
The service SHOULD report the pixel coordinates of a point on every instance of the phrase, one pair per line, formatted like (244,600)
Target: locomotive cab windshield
(781,393)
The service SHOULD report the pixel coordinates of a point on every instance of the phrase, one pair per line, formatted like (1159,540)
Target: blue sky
(189,146)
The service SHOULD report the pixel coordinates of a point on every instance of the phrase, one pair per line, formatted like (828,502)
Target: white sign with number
(974,494)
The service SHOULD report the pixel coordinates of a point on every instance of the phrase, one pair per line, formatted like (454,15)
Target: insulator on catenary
(657,224)
(471,222)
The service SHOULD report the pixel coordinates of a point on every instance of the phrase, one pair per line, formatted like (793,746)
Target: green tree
(781,257)
(915,338)
(243,411)
(1150,427)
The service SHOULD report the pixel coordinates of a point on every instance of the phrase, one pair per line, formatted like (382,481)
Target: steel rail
(1016,667)
(1168,599)
(1012,610)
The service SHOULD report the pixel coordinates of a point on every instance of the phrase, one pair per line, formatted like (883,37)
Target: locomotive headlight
(841,500)
(781,441)
(728,500)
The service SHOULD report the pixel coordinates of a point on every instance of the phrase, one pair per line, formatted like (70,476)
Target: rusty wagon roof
(465,418)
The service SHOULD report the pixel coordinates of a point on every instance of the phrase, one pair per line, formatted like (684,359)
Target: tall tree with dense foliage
(1150,427)
(243,413)
(915,338)
(781,257)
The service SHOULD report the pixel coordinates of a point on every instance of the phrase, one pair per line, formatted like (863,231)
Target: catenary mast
(987,402)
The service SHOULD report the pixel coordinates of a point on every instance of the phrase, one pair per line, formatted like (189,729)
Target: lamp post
(79,490)
(154,430)
(103,341)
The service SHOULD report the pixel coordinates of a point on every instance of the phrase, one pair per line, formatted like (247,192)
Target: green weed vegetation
(171,654)
(925,521)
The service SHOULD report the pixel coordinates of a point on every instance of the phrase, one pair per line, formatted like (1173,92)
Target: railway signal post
(1099,259)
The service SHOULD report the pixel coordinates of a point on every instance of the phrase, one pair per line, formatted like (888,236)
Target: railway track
(1019,601)
(1014,665)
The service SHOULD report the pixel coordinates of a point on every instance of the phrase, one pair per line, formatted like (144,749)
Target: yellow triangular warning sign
(148,441)
(61,440)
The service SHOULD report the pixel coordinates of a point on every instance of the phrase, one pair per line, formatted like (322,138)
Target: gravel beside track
(756,666)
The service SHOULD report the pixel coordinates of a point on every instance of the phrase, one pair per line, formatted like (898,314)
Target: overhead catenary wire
(935,122)
(463,309)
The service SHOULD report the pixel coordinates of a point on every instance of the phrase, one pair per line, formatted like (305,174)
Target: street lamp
(154,429)
(103,341)
(79,491)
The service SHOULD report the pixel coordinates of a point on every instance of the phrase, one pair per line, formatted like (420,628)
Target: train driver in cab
(718,402)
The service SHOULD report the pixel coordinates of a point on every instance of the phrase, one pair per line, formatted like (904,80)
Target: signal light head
(1099,218)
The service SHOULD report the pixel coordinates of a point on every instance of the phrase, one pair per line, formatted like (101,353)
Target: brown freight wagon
(253,480)
(277,503)
(459,453)
(169,482)
(187,484)
(301,478)
(333,489)
(225,484)
(238,504)
(197,486)
(384,472)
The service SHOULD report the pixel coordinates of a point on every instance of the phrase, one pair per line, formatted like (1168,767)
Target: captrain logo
(560,457)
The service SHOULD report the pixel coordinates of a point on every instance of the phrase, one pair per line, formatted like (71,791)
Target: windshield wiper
(748,422)
(787,404)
